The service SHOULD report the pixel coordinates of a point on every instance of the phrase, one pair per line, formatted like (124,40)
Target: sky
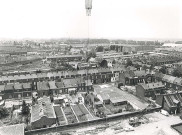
(124,19)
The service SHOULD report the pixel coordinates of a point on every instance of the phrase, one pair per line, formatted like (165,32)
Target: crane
(88,7)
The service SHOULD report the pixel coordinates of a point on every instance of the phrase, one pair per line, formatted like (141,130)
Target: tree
(137,66)
(151,67)
(128,63)
(176,73)
(25,108)
(4,112)
(100,49)
(70,47)
(144,67)
(163,70)
(81,52)
(92,53)
(114,62)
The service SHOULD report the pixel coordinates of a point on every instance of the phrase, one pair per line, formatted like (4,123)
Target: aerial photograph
(90,67)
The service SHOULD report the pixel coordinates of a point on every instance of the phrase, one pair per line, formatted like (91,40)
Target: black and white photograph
(90,67)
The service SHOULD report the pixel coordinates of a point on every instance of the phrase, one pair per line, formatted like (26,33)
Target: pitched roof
(4,78)
(140,73)
(159,75)
(152,85)
(178,81)
(91,71)
(59,84)
(18,86)
(33,75)
(129,74)
(43,108)
(9,87)
(16,77)
(88,82)
(103,70)
(17,129)
(73,82)
(41,75)
(10,77)
(2,87)
(26,85)
(52,85)
(50,74)
(117,100)
(81,71)
(42,86)
(22,77)
(171,79)
(166,77)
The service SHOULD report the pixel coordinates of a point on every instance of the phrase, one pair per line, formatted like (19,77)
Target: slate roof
(26,85)
(159,75)
(18,86)
(117,100)
(52,85)
(4,78)
(2,87)
(152,85)
(140,73)
(22,77)
(129,74)
(88,82)
(104,70)
(42,86)
(33,75)
(81,71)
(59,84)
(73,82)
(178,81)
(41,75)
(10,77)
(171,79)
(93,71)
(43,108)
(166,77)
(9,87)
(16,77)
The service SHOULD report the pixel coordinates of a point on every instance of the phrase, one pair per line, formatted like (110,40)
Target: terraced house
(99,75)
(134,77)
(169,81)
(150,90)
(170,102)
